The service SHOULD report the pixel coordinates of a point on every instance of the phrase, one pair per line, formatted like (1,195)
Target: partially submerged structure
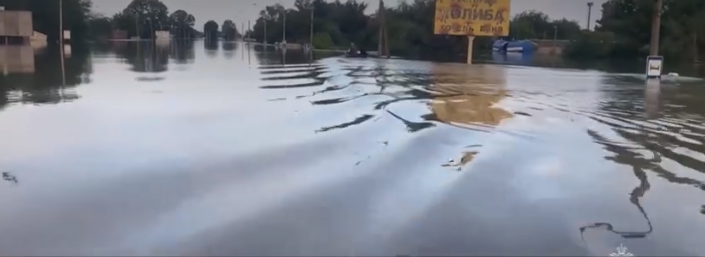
(16,28)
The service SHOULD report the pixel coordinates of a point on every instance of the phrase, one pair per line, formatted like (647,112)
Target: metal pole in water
(284,28)
(310,42)
(654,62)
(61,41)
(265,32)
(471,40)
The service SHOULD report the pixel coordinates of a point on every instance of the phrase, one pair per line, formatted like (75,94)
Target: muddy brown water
(201,149)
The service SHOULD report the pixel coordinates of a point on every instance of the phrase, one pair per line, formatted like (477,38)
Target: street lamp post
(589,4)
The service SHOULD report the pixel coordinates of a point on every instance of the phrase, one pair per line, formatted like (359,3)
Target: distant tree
(99,27)
(229,30)
(125,21)
(565,29)
(531,25)
(150,15)
(211,30)
(182,24)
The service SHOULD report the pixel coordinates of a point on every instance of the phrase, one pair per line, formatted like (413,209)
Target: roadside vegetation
(622,32)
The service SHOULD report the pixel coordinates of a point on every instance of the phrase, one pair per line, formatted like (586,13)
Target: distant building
(118,34)
(162,35)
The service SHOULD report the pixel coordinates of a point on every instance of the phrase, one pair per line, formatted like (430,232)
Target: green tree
(625,30)
(229,30)
(211,30)
(99,27)
(150,15)
(684,34)
(566,29)
(182,24)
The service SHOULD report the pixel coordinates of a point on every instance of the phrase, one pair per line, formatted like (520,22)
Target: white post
(471,40)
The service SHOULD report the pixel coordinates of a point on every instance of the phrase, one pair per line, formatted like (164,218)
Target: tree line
(140,18)
(622,32)
(336,24)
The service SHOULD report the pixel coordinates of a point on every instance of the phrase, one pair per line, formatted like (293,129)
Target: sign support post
(471,40)
(472,18)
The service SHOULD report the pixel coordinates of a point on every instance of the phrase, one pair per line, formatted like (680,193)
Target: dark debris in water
(522,113)
(466,158)
(7,176)
(356,121)
(311,84)
(412,126)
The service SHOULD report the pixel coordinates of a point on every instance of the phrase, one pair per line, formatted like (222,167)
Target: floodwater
(202,149)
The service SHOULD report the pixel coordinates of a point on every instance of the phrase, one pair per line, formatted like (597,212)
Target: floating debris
(465,159)
(522,113)
(9,177)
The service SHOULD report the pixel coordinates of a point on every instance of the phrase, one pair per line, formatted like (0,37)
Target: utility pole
(284,28)
(61,41)
(137,26)
(265,31)
(589,4)
(383,45)
(61,25)
(656,27)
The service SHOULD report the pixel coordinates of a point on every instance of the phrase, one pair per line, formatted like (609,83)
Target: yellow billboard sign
(472,17)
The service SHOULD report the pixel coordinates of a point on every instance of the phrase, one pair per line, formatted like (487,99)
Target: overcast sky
(240,11)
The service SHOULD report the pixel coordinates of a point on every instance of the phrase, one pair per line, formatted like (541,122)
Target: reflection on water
(212,47)
(233,149)
(144,56)
(17,58)
(182,51)
(35,76)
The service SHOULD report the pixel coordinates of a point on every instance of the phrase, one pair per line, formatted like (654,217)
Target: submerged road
(224,150)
